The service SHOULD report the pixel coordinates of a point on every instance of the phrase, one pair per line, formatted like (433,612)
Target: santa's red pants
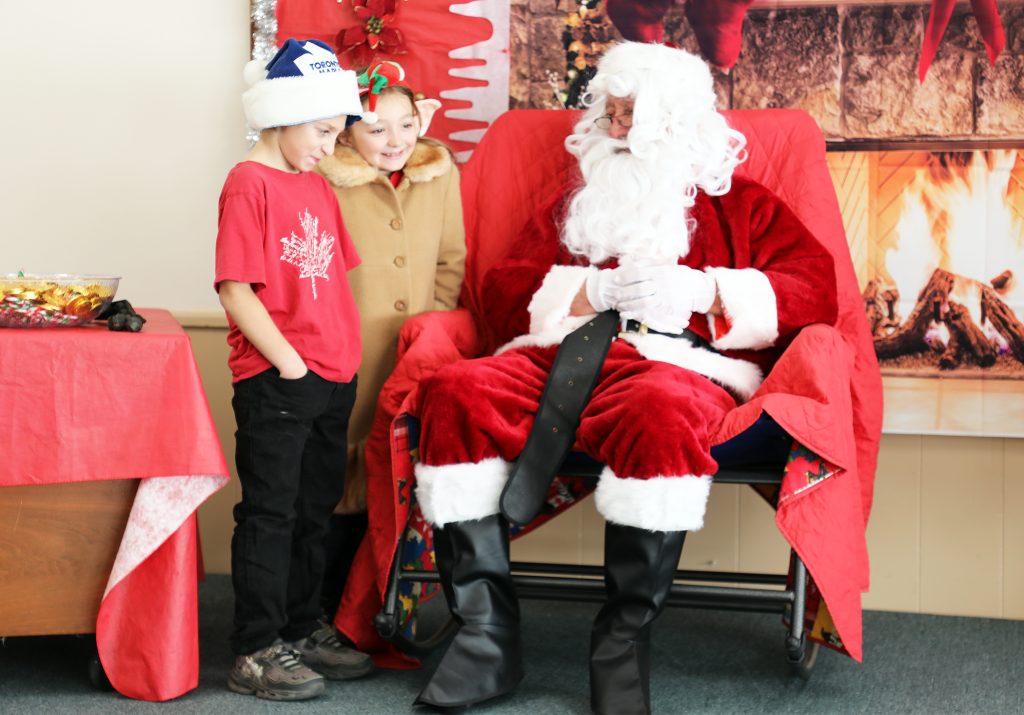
(649,422)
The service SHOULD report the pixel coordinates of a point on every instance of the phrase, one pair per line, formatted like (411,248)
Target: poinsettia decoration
(373,33)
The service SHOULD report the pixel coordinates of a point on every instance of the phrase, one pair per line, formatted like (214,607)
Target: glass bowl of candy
(51,301)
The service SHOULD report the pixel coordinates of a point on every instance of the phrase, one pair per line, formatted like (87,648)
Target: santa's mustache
(594,149)
(609,165)
(628,205)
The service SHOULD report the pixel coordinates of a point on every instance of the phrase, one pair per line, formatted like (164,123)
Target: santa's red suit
(695,247)
(659,398)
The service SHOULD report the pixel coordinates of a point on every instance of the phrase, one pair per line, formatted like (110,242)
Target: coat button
(400,305)
(396,223)
(399,261)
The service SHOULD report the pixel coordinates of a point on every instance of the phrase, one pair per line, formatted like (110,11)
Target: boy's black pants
(291,451)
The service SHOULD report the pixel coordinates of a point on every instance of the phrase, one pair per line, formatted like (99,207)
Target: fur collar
(346,168)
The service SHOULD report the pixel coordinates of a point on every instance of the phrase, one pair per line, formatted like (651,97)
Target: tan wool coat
(412,244)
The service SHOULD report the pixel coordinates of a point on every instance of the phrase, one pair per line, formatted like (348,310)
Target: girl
(399,194)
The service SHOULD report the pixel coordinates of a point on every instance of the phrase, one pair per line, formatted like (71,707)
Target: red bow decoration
(718,24)
(374,32)
(639,21)
(987,17)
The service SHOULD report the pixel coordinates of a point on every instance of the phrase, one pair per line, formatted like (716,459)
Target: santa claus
(711,276)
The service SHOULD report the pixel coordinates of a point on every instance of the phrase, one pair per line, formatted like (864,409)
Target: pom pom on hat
(375,80)
(302,83)
(255,70)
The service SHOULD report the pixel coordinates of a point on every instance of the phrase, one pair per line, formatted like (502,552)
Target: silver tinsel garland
(264,23)
(264,39)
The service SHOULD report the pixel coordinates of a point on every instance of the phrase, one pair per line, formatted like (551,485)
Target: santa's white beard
(629,207)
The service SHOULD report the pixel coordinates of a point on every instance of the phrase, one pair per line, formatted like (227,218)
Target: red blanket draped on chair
(826,390)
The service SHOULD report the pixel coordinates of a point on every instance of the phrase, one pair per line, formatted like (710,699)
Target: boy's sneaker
(324,652)
(275,673)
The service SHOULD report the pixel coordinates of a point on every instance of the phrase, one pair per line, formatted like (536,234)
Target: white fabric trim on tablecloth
(161,506)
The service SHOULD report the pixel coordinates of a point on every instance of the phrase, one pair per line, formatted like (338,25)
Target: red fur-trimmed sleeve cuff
(549,308)
(551,303)
(750,319)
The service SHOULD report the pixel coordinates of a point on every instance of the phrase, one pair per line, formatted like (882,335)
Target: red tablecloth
(87,404)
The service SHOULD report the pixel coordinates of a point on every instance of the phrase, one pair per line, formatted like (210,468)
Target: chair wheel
(386,625)
(801,655)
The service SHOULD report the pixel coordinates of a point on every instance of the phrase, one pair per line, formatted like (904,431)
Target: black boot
(485,659)
(638,569)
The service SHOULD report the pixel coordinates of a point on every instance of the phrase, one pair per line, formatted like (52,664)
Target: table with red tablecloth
(88,404)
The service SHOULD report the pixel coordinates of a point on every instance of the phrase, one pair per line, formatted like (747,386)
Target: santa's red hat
(717,24)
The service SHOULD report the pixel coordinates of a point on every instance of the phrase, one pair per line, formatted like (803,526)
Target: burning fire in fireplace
(944,288)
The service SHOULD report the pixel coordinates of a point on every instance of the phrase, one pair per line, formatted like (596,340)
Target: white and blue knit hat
(302,83)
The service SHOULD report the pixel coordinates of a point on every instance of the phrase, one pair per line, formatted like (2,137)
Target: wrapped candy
(53,301)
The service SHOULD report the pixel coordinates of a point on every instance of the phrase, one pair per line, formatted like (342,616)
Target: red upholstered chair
(822,515)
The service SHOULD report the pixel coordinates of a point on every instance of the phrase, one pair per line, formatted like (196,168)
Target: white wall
(118,123)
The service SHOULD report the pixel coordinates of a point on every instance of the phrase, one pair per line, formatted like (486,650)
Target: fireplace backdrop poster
(935,232)
(937,239)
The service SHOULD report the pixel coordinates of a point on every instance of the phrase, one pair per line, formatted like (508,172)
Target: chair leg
(386,621)
(485,659)
(639,568)
(796,628)
(801,652)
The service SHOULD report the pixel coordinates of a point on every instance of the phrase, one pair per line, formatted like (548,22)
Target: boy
(282,258)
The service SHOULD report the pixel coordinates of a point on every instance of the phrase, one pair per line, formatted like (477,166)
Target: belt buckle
(642,330)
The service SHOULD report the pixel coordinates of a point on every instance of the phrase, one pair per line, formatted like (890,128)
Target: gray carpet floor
(704,662)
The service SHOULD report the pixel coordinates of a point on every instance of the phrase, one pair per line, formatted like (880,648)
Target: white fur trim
(460,492)
(551,303)
(554,336)
(287,101)
(740,376)
(749,304)
(254,71)
(656,503)
(550,321)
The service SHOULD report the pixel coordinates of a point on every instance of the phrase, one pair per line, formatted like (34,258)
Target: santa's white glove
(664,296)
(603,289)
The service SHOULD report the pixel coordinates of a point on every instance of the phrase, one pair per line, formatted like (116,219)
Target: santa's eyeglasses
(605,122)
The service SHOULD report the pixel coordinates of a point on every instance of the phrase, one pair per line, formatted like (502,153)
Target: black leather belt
(635,326)
(573,376)
(572,379)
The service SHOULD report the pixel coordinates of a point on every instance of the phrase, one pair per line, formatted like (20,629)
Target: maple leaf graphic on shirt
(312,253)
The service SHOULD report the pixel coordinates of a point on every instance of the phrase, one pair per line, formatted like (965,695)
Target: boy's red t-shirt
(283,233)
